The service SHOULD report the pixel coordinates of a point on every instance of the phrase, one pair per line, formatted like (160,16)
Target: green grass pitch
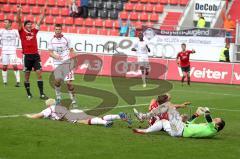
(22,138)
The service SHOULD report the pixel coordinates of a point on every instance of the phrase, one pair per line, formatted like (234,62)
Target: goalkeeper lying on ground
(176,127)
(58,112)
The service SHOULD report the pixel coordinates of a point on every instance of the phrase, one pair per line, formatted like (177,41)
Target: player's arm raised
(19,19)
(42,16)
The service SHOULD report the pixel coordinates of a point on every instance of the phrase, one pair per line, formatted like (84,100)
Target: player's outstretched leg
(17,75)
(40,85)
(157,126)
(123,116)
(96,121)
(4,74)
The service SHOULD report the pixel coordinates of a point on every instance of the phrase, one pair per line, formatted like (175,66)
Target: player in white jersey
(9,40)
(60,50)
(142,50)
(58,112)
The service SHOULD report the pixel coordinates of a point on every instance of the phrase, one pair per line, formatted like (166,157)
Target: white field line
(127,106)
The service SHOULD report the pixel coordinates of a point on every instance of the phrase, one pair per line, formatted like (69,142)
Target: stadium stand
(103,14)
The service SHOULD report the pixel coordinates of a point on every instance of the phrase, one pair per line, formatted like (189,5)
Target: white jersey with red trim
(60,46)
(9,41)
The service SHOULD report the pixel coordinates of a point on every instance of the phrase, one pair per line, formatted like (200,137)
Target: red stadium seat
(51,28)
(133,16)
(83,30)
(13,1)
(51,2)
(65,29)
(93,31)
(14,8)
(6,8)
(31,2)
(149,8)
(163,2)
(69,21)
(22,2)
(43,28)
(99,22)
(14,25)
(114,32)
(73,29)
(108,23)
(1,16)
(61,3)
(134,1)
(89,22)
(128,7)
(36,10)
(55,11)
(138,25)
(124,15)
(159,8)
(139,7)
(148,24)
(78,21)
(144,1)
(183,2)
(49,20)
(26,9)
(144,17)
(173,2)
(116,25)
(154,1)
(30,17)
(59,20)
(11,17)
(65,12)
(41,2)
(103,32)
(154,17)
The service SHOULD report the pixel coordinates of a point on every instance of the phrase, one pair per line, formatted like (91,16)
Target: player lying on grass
(177,128)
(159,109)
(57,112)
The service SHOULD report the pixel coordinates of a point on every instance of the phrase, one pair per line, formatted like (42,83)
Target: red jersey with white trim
(29,41)
(184,58)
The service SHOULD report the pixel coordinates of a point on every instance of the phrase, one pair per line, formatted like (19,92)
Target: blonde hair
(50,102)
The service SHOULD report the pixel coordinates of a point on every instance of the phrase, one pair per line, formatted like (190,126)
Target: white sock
(97,121)
(17,75)
(4,75)
(157,126)
(111,117)
(58,92)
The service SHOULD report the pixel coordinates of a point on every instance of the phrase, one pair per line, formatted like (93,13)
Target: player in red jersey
(184,62)
(31,57)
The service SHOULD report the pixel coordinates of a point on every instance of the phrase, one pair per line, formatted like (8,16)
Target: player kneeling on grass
(159,109)
(57,112)
(61,50)
(177,128)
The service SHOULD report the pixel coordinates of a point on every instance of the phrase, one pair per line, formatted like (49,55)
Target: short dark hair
(221,125)
(183,44)
(26,22)
(9,20)
(162,99)
(58,25)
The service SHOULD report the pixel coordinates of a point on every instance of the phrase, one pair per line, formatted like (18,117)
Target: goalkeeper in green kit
(175,125)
